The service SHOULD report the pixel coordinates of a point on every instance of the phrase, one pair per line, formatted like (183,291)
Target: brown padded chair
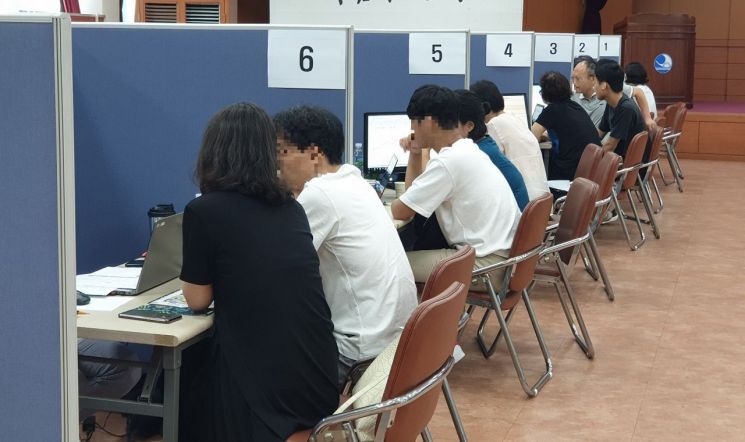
(519,269)
(627,178)
(571,232)
(422,361)
(588,161)
(455,268)
(675,115)
(604,175)
(642,188)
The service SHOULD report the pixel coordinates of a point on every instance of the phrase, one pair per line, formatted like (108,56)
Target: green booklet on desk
(173,303)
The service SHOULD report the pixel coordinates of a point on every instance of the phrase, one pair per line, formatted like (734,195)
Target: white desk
(388,197)
(169,341)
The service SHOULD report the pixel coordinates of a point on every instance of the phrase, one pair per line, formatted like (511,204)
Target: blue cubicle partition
(382,82)
(560,60)
(143,96)
(510,80)
(37,328)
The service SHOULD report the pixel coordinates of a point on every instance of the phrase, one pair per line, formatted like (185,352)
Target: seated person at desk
(567,123)
(98,379)
(367,280)
(247,245)
(472,199)
(513,138)
(621,118)
(585,80)
(471,116)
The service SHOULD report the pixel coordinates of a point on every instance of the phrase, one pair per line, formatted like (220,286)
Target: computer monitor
(517,105)
(383,131)
(536,99)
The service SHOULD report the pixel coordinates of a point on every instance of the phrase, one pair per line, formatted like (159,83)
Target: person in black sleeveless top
(271,366)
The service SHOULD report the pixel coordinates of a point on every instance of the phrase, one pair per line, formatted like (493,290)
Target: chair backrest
(425,345)
(530,233)
(656,135)
(455,268)
(588,161)
(575,218)
(670,113)
(605,175)
(634,155)
(680,116)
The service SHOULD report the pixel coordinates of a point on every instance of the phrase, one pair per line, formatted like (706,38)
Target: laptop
(537,111)
(163,261)
(385,177)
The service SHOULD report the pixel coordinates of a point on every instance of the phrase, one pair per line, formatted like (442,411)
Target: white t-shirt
(520,146)
(471,198)
(366,277)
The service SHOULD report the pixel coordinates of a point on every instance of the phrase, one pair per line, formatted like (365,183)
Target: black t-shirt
(623,122)
(572,126)
(273,329)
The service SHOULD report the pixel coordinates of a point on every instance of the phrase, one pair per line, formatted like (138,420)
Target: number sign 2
(307,59)
(509,50)
(586,45)
(437,53)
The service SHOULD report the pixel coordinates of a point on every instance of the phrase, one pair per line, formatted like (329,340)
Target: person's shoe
(610,216)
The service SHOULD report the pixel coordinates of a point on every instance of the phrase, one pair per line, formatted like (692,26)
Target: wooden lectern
(647,38)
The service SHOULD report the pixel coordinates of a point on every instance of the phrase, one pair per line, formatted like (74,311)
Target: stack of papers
(108,279)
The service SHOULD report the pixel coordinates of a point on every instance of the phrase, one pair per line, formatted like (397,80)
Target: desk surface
(108,326)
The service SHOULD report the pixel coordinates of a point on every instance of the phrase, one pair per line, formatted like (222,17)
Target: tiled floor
(669,354)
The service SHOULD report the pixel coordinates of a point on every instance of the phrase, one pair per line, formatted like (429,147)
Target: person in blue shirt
(471,115)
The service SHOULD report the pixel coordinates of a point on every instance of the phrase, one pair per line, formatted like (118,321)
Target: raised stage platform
(714,131)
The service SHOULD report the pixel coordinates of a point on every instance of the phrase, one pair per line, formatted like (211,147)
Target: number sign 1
(553,47)
(586,45)
(307,59)
(509,50)
(610,46)
(437,53)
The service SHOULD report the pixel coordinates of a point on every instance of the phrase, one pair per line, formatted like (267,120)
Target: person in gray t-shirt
(584,80)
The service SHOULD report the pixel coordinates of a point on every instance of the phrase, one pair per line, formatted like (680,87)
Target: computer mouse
(83,299)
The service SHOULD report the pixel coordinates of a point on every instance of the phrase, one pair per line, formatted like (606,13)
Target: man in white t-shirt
(471,198)
(514,139)
(366,277)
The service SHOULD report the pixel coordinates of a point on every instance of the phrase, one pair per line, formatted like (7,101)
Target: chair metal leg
(584,341)
(672,159)
(648,207)
(601,267)
(464,319)
(488,351)
(589,262)
(457,422)
(662,174)
(637,220)
(622,219)
(426,435)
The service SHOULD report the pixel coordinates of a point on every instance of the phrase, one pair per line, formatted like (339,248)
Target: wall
(720,44)
(566,15)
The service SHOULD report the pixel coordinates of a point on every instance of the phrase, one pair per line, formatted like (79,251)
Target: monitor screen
(517,106)
(383,130)
(536,98)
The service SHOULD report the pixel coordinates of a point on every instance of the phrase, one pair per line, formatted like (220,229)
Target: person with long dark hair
(271,366)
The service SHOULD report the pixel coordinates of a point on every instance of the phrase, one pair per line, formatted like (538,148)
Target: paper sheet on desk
(559,184)
(104,303)
(102,282)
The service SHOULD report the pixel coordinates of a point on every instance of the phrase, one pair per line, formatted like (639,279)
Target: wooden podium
(647,36)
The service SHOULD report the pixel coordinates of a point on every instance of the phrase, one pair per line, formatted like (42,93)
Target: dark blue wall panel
(30,385)
(142,100)
(510,80)
(541,67)
(382,82)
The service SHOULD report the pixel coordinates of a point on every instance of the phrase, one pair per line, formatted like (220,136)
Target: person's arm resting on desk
(425,194)
(199,297)
(538,131)
(198,257)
